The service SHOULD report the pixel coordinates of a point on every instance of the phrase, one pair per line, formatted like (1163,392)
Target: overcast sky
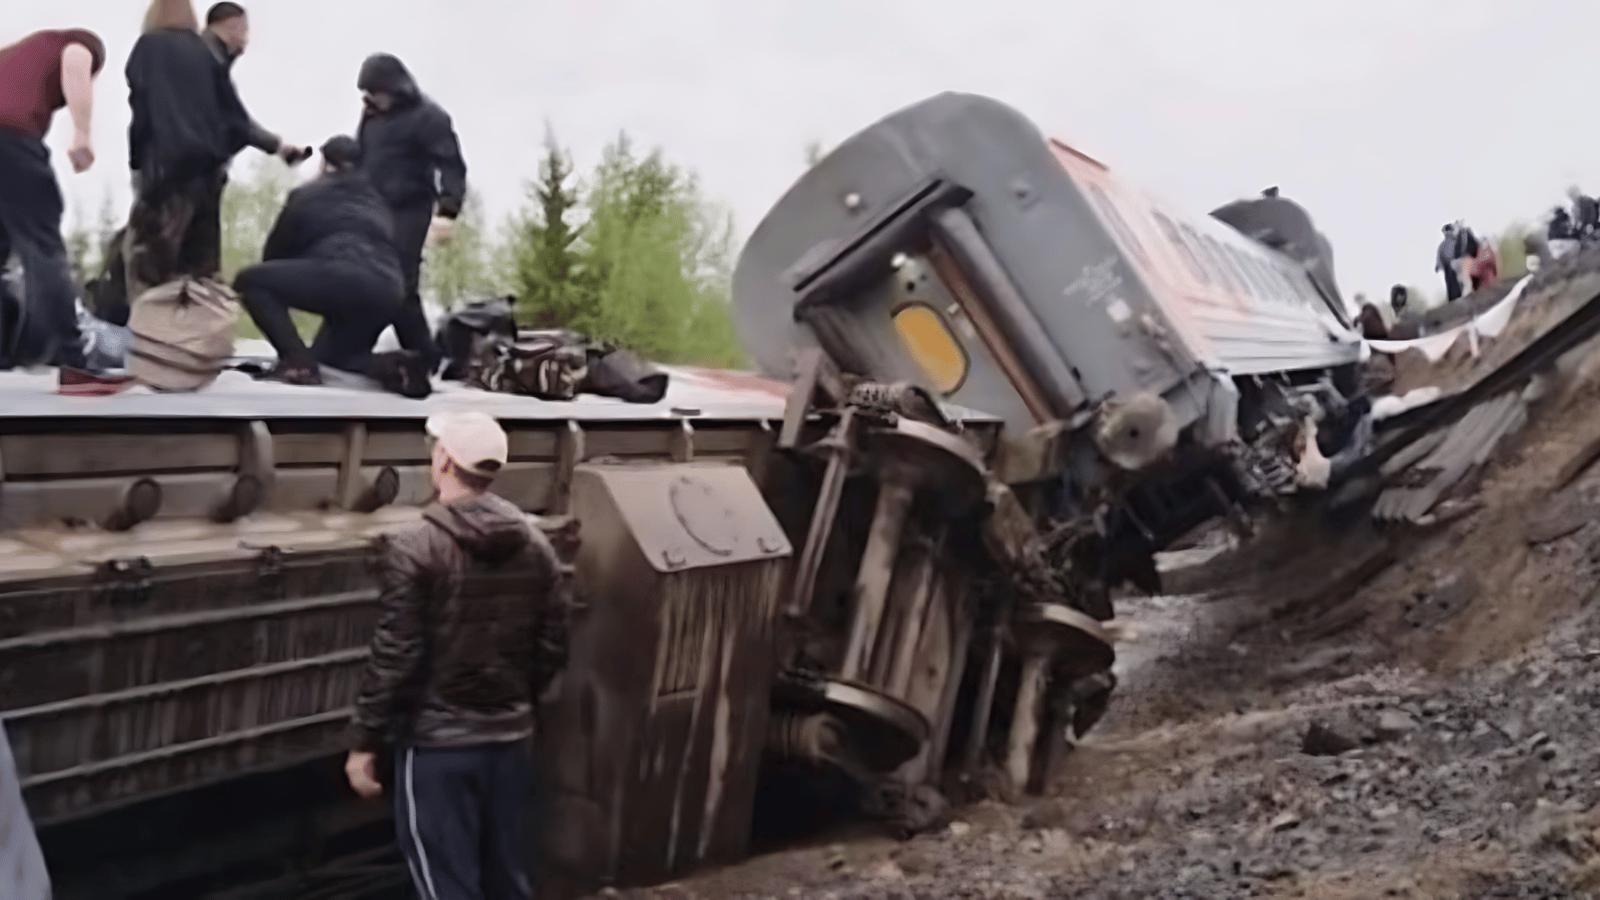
(1386,118)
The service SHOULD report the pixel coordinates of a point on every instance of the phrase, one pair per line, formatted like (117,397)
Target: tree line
(631,252)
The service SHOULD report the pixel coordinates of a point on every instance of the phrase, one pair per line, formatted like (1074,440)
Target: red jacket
(30,77)
(1485,267)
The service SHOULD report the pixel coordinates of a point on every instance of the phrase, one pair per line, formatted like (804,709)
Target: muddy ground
(1337,711)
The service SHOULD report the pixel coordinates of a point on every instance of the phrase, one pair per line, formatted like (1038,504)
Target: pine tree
(658,258)
(546,262)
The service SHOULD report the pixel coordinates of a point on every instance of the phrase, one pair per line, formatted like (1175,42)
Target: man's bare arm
(77,85)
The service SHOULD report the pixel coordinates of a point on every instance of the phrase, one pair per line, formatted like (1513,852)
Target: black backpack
(462,330)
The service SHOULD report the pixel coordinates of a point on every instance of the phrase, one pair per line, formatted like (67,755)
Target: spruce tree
(546,262)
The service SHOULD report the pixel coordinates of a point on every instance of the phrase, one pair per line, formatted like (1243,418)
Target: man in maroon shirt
(41,73)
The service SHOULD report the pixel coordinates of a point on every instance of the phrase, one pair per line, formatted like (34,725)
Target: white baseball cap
(473,440)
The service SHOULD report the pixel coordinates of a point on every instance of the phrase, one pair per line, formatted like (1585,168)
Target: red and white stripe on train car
(1210,280)
(1159,270)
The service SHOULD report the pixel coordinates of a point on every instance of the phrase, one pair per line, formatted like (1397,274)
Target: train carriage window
(1230,272)
(1299,285)
(1272,288)
(1308,288)
(1108,211)
(933,346)
(1259,287)
(1285,287)
(1170,231)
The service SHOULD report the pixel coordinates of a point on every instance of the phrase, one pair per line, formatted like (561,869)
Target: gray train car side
(1056,287)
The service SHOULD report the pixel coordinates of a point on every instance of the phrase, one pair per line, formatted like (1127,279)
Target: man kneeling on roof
(332,253)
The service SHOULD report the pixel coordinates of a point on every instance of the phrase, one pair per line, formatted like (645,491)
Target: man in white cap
(471,633)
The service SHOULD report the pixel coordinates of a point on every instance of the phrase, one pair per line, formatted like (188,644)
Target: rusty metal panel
(654,744)
(165,677)
(35,455)
(691,517)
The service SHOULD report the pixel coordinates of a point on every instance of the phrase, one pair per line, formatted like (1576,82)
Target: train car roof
(692,392)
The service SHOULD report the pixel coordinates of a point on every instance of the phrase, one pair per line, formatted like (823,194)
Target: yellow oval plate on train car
(931,344)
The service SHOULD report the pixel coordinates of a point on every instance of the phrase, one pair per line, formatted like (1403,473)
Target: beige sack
(182,334)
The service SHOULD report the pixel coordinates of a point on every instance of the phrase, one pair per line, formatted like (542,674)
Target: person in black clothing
(188,123)
(1585,214)
(228,34)
(39,75)
(1399,297)
(1560,226)
(410,151)
(1445,261)
(331,252)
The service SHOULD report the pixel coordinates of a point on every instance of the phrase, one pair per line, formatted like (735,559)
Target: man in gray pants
(22,871)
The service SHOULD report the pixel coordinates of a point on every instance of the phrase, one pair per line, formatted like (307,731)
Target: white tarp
(1487,324)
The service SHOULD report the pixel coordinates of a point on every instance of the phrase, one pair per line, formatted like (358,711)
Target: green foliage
(543,253)
(649,267)
(658,260)
(1513,255)
(86,244)
(81,250)
(250,205)
(635,254)
(462,268)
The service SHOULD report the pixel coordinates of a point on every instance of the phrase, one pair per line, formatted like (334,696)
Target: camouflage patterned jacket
(472,630)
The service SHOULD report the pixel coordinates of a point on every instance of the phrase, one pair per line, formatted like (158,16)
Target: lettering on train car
(1097,282)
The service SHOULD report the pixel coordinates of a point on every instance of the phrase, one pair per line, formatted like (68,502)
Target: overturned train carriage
(1012,379)
(1152,370)
(186,597)
(186,594)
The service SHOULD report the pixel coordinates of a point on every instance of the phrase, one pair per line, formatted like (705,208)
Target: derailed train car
(1013,379)
(1152,369)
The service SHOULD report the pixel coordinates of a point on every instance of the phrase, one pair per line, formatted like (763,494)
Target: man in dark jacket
(187,125)
(470,634)
(331,252)
(1585,214)
(1560,227)
(410,150)
(1445,261)
(228,34)
(42,73)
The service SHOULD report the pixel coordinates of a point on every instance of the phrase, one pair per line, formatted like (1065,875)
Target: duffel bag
(548,366)
(182,334)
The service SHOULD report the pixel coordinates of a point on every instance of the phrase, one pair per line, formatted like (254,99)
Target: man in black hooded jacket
(410,151)
(331,252)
